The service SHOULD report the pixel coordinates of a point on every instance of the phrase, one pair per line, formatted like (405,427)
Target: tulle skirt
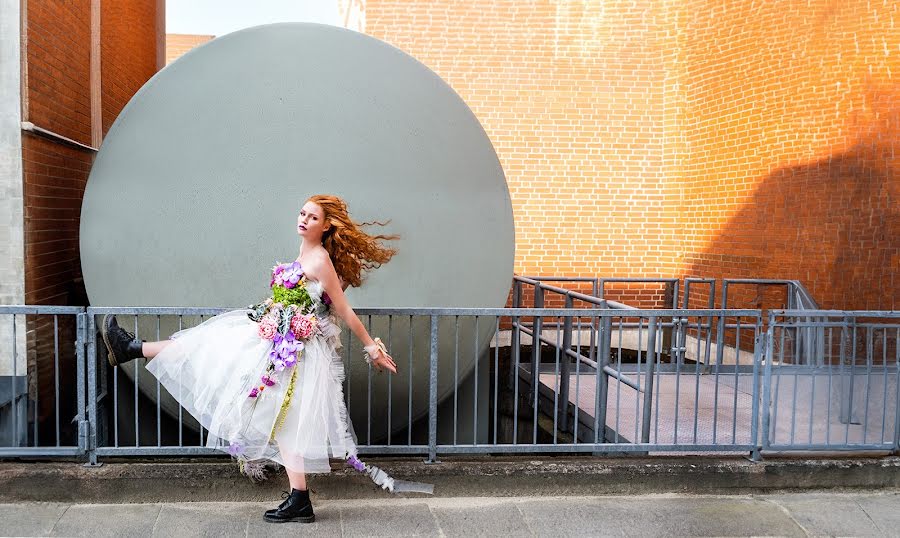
(299,422)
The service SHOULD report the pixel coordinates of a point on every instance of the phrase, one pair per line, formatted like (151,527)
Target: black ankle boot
(296,507)
(120,344)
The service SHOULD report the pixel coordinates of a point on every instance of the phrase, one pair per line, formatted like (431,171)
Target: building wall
(572,94)
(58,97)
(82,62)
(178,44)
(793,129)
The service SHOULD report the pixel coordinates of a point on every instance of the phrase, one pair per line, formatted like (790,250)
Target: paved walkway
(800,514)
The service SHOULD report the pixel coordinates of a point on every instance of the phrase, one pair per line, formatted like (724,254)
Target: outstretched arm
(323,271)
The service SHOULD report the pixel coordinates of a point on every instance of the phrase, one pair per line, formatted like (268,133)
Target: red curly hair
(352,250)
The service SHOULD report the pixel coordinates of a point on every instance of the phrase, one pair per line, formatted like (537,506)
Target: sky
(219,17)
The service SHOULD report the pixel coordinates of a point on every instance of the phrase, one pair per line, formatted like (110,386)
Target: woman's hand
(379,358)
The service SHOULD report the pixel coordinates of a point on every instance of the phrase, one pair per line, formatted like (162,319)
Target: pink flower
(303,326)
(267,381)
(254,392)
(267,328)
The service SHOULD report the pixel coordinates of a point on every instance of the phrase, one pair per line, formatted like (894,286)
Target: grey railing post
(92,415)
(84,426)
(767,383)
(564,367)
(648,381)
(605,341)
(848,332)
(432,392)
(720,333)
(759,340)
(536,331)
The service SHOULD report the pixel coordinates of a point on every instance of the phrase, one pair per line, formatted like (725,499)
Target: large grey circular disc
(195,191)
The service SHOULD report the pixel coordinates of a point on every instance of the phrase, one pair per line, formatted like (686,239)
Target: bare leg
(297,480)
(152,349)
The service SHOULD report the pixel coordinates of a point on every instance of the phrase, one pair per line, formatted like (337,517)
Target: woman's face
(311,222)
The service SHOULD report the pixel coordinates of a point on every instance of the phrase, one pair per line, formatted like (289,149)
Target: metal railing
(505,380)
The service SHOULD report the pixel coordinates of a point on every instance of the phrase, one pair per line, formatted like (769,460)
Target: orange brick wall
(129,41)
(571,94)
(792,131)
(178,44)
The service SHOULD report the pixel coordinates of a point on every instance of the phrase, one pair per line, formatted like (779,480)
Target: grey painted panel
(194,193)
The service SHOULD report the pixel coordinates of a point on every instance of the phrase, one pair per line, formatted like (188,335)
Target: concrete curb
(211,481)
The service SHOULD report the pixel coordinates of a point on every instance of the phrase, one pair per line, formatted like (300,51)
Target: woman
(266,382)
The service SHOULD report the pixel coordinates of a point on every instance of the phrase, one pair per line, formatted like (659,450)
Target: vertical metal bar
(678,327)
(475,391)
(410,385)
(137,391)
(496,370)
(648,382)
(884,382)
(778,379)
(675,294)
(796,382)
(869,359)
(516,352)
(640,383)
(556,390)
(369,390)
(81,340)
(349,369)
(767,385)
(897,394)
(13,394)
(390,382)
(658,353)
(180,407)
(432,391)
(91,362)
(697,374)
(812,398)
(619,384)
(720,337)
(158,399)
(602,381)
(80,343)
(754,405)
(564,369)
(720,345)
(536,327)
(456,380)
(852,368)
(828,390)
(577,408)
(737,366)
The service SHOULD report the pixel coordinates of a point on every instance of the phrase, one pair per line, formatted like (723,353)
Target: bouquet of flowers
(286,319)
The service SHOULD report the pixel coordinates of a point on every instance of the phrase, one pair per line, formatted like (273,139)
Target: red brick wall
(129,40)
(58,98)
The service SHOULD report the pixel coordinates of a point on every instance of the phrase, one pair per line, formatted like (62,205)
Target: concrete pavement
(875,513)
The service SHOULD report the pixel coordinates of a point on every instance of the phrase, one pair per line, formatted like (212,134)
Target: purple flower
(326,300)
(267,381)
(291,275)
(235,449)
(254,392)
(354,462)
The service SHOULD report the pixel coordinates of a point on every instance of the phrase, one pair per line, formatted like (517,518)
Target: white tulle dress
(268,384)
